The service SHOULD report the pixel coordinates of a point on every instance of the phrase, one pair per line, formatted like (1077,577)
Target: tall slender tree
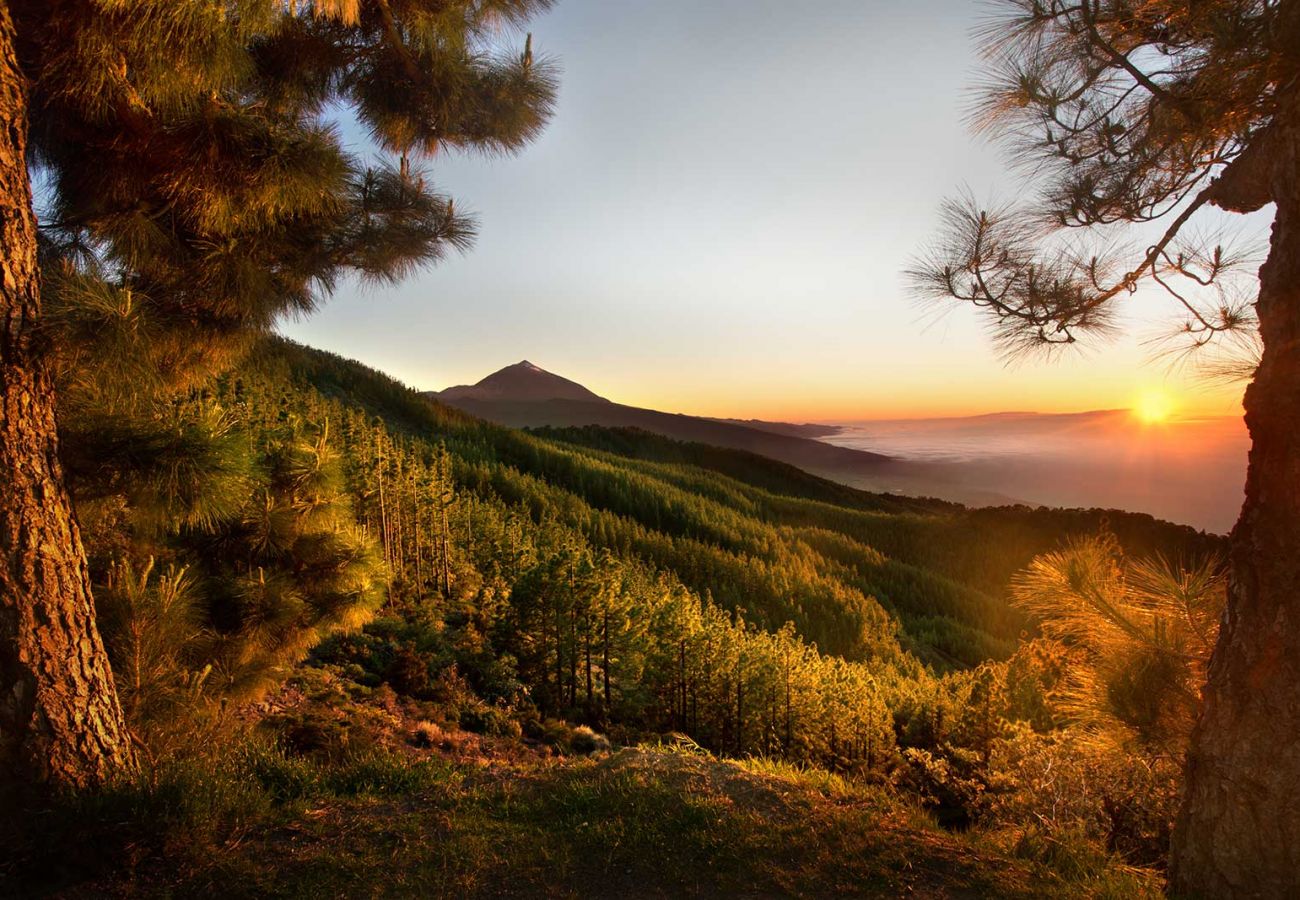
(196,184)
(1136,111)
(59,714)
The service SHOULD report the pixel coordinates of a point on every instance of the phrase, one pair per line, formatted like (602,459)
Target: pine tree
(59,719)
(1141,112)
(197,194)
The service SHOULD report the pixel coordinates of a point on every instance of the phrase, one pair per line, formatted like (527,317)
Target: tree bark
(1238,833)
(60,721)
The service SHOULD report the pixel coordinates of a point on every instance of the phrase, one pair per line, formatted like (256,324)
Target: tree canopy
(195,168)
(1140,114)
(1119,112)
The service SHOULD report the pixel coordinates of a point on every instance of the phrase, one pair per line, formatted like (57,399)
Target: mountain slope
(788,448)
(666,593)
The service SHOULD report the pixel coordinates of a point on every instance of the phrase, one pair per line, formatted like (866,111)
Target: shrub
(950,780)
(320,737)
(426,734)
(408,673)
(490,720)
(1070,788)
(585,741)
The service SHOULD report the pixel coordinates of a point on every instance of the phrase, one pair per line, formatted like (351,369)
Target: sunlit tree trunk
(1239,831)
(573,647)
(681,683)
(60,721)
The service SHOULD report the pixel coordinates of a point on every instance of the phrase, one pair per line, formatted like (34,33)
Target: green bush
(483,719)
(320,736)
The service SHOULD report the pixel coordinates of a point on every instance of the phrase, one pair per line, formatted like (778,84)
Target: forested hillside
(309,578)
(618,577)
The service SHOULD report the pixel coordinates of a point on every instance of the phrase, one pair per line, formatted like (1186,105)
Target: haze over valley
(1187,470)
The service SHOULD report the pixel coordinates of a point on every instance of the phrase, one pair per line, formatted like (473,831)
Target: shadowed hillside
(437,811)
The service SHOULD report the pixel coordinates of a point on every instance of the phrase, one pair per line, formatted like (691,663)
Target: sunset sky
(716,221)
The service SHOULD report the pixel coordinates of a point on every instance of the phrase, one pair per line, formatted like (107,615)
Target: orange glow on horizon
(1151,406)
(797,392)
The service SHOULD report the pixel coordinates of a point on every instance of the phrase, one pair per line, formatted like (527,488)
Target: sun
(1153,407)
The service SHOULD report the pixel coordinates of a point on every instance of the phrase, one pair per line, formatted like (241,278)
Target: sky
(716,222)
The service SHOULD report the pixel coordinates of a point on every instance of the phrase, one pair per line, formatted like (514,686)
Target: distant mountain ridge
(527,382)
(522,381)
(807,429)
(525,395)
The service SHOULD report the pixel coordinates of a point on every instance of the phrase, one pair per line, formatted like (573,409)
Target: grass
(636,823)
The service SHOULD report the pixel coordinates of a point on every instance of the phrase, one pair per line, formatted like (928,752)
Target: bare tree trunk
(60,721)
(1238,834)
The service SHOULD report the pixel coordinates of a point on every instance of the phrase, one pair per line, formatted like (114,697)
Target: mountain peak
(522,381)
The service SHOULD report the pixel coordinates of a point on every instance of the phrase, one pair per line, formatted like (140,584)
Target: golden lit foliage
(1142,632)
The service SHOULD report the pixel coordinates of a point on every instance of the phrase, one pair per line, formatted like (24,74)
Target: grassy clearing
(637,823)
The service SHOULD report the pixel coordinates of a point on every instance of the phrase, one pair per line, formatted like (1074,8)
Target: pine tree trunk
(681,682)
(60,721)
(542,650)
(740,711)
(789,718)
(1238,834)
(605,659)
(573,653)
(446,556)
(419,556)
(871,744)
(559,656)
(586,640)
